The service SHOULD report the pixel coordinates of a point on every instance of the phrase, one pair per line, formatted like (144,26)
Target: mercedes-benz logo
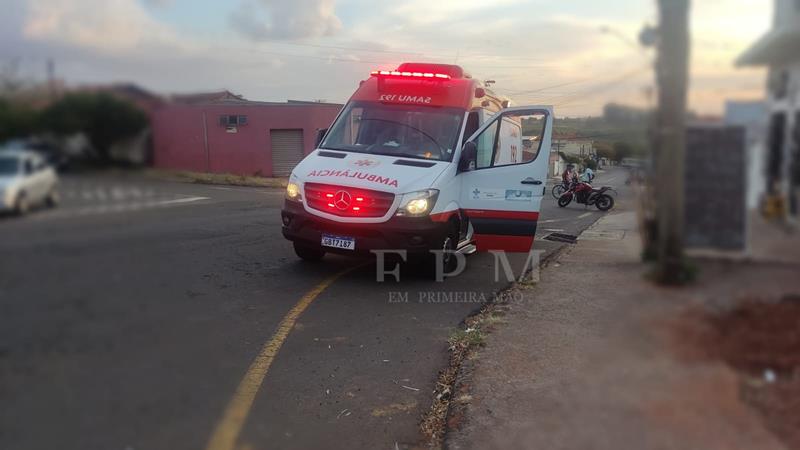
(342,200)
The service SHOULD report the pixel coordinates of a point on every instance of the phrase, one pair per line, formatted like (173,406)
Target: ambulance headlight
(418,203)
(293,192)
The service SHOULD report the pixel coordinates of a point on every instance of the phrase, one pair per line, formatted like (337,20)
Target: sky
(574,54)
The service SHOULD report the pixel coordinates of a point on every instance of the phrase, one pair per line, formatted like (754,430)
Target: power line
(417,52)
(603,87)
(349,60)
(356,49)
(333,58)
(296,55)
(546,88)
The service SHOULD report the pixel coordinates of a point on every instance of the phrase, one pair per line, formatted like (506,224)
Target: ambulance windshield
(407,131)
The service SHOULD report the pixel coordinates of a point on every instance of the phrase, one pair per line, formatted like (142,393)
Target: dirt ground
(760,339)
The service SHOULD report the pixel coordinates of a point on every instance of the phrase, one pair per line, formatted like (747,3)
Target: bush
(605,150)
(104,118)
(570,159)
(16,121)
(622,150)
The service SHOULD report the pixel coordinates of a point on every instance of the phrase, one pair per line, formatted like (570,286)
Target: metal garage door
(287,151)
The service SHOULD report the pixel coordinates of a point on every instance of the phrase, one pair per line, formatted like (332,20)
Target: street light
(605,29)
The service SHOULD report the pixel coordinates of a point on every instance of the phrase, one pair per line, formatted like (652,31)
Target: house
(779,51)
(752,116)
(557,165)
(205,97)
(145,100)
(572,145)
(225,133)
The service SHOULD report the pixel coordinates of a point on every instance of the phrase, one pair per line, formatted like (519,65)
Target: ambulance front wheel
(447,245)
(308,253)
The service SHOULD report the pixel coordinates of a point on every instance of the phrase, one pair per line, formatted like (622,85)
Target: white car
(26,180)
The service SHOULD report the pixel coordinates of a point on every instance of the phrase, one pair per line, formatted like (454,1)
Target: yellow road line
(228,428)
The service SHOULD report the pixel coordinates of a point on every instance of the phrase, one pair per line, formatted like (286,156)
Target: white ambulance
(421,158)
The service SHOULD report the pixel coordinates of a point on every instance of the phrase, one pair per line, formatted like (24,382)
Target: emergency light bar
(396,73)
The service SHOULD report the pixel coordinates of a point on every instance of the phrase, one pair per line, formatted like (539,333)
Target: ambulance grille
(347,201)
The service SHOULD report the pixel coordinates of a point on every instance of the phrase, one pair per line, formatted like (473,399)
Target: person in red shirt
(569,175)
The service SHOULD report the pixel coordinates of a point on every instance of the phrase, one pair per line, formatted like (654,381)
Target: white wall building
(779,50)
(753,117)
(581,148)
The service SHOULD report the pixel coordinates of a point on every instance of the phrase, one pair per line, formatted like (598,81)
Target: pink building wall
(179,135)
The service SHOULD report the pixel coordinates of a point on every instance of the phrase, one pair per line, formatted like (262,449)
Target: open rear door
(502,196)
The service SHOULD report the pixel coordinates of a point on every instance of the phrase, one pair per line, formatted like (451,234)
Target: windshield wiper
(441,147)
(339,149)
(403,155)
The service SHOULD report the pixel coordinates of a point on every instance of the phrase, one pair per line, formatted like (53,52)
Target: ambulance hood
(367,171)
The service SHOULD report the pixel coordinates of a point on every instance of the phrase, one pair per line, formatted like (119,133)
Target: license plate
(346,243)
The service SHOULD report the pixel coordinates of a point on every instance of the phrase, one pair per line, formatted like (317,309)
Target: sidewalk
(772,242)
(592,358)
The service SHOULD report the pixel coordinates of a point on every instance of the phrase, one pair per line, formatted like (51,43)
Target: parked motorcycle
(584,193)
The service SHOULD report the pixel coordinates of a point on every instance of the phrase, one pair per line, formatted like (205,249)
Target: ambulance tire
(308,253)
(448,242)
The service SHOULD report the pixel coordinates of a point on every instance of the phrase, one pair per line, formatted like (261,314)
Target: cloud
(523,45)
(416,12)
(159,3)
(109,25)
(103,41)
(280,19)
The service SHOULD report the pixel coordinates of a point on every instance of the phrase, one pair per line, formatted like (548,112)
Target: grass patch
(226,179)
(495,319)
(528,282)
(469,337)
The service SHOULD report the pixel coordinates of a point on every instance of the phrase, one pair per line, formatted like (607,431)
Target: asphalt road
(130,316)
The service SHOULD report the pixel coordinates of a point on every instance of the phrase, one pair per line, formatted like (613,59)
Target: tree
(570,159)
(104,118)
(605,150)
(622,150)
(16,121)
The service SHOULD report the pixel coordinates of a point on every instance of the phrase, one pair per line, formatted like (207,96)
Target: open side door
(503,183)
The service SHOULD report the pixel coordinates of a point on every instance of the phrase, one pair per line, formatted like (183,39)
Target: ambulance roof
(425,84)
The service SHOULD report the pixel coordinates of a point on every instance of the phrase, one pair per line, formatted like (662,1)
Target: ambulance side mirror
(320,134)
(469,155)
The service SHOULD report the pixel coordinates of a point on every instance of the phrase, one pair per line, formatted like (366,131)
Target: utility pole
(51,78)
(672,73)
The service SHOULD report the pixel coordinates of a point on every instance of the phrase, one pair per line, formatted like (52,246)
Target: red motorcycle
(584,193)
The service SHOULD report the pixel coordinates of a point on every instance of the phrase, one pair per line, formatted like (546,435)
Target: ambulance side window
(514,138)
(473,122)
(485,146)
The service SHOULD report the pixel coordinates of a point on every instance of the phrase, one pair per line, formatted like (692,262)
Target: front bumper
(412,234)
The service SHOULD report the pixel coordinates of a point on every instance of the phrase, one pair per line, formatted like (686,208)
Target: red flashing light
(347,201)
(396,73)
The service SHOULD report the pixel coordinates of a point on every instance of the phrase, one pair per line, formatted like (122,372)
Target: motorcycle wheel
(564,200)
(604,202)
(557,191)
